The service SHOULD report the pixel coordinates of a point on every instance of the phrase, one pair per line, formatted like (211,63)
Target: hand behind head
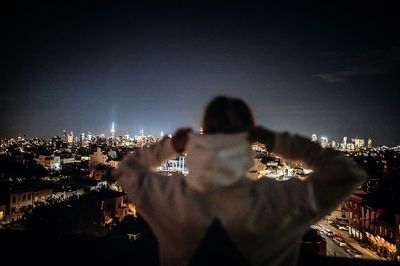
(180,139)
(261,135)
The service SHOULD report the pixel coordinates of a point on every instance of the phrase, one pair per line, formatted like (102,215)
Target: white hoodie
(218,160)
(265,219)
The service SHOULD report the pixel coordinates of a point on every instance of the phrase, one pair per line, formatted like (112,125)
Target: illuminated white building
(344,143)
(358,143)
(314,138)
(350,147)
(324,142)
(175,165)
(70,138)
(258,147)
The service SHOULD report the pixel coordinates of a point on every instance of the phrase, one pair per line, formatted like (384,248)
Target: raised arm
(334,175)
(152,156)
(136,167)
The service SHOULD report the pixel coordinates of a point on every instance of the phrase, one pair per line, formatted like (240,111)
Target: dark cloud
(373,62)
(337,76)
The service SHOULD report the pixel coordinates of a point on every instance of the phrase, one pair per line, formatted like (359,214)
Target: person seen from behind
(263,219)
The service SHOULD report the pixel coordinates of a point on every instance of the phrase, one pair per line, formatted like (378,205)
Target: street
(332,248)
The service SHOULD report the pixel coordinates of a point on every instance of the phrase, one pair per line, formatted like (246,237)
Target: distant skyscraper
(162,134)
(112,130)
(82,138)
(333,146)
(70,138)
(358,143)
(369,144)
(314,138)
(344,143)
(64,136)
(324,142)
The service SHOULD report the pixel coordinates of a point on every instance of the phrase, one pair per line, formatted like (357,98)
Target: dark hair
(227,115)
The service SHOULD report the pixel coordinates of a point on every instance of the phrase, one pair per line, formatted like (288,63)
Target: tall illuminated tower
(344,143)
(64,136)
(113,131)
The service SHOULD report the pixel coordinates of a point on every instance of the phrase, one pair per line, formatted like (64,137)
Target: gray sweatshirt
(264,218)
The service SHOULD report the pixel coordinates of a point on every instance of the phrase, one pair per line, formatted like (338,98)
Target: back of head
(225,115)
(222,156)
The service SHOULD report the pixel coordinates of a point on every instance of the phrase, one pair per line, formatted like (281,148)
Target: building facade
(373,225)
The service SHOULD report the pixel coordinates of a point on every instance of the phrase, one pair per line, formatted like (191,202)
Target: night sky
(330,69)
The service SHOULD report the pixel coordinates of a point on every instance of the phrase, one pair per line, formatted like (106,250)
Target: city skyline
(113,132)
(342,142)
(329,69)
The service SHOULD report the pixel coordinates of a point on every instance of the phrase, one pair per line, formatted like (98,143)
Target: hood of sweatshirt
(217,160)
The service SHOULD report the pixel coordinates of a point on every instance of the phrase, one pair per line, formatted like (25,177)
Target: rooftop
(32,248)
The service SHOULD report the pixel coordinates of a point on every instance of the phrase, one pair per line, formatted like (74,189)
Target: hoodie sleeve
(134,169)
(333,178)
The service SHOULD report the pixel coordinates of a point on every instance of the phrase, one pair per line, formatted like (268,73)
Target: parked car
(336,240)
(354,253)
(339,241)
(342,243)
(342,227)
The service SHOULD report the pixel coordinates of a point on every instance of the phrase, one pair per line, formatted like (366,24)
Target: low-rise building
(113,205)
(18,199)
(2,212)
(98,157)
(41,195)
(50,162)
(175,165)
(373,224)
